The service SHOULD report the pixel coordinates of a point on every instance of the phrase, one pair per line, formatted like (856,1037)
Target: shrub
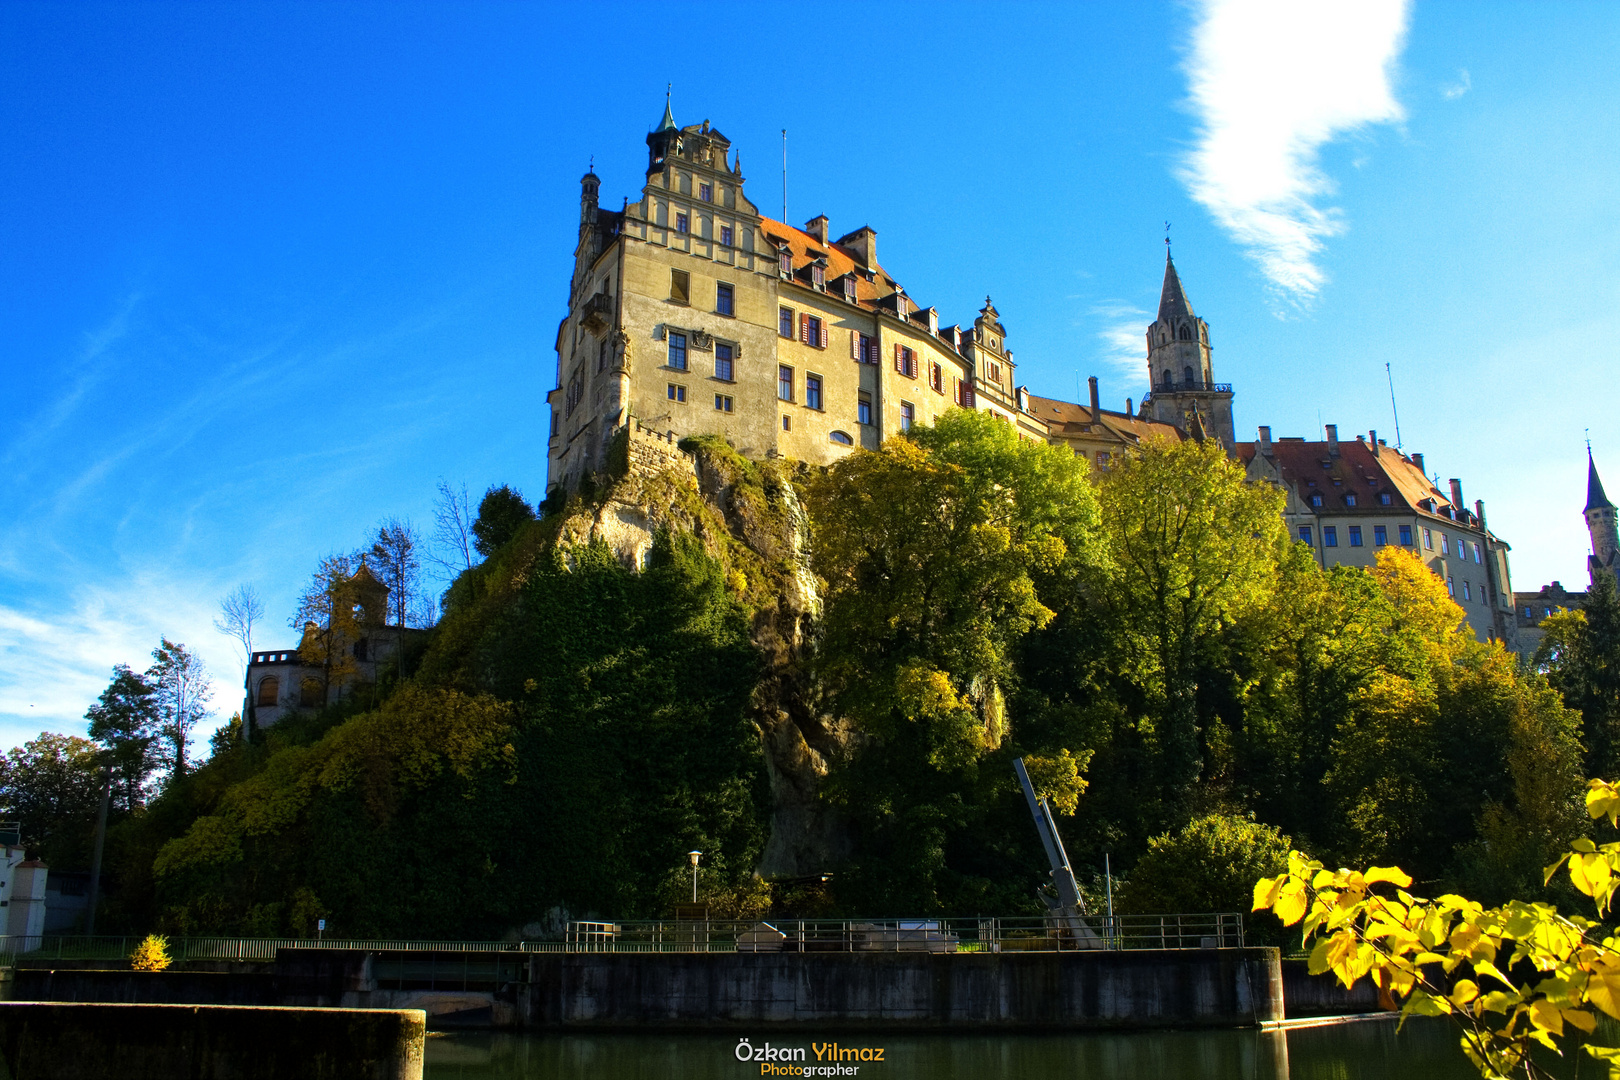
(152,954)
(1210,865)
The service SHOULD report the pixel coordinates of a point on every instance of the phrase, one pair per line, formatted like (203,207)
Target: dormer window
(818,275)
(849,288)
(1316,501)
(785,263)
(1384,498)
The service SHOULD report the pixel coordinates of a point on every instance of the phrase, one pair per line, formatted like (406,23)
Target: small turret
(1181,373)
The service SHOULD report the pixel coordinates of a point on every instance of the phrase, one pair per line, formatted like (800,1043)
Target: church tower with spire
(1184,391)
(1600,522)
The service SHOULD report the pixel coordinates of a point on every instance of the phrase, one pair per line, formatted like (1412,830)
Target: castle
(1530,608)
(690,312)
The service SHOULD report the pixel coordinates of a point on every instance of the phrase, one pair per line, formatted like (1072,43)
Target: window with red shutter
(804,329)
(823,335)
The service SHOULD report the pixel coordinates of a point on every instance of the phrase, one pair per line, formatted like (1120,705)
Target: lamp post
(694,856)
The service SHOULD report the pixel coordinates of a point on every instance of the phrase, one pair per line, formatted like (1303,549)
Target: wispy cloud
(1123,338)
(1453,91)
(1271,82)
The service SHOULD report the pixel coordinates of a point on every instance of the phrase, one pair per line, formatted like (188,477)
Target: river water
(1365,1050)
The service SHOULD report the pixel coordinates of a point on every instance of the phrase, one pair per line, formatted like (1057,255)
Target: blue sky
(270,271)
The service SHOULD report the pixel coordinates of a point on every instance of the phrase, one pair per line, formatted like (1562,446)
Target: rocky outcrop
(750,518)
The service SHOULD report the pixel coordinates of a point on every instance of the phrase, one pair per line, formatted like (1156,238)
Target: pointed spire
(1595,499)
(1172,299)
(668,122)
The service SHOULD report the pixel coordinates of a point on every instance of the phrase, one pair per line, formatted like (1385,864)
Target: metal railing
(967,935)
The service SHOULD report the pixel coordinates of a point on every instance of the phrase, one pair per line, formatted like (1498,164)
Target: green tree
(1192,548)
(51,786)
(125,720)
(181,692)
(1580,652)
(935,550)
(501,513)
(1209,864)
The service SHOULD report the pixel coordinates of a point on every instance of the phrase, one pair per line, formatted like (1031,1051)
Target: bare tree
(328,616)
(181,692)
(239,612)
(396,554)
(453,517)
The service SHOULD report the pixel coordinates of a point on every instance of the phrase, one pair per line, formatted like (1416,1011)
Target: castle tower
(1600,522)
(1179,366)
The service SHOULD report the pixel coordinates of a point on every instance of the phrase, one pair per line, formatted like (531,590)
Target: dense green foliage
(1185,684)
(501,513)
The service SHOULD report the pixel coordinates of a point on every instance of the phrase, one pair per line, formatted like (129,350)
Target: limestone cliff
(749,517)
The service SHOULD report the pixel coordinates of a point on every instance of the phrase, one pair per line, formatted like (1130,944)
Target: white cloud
(1453,91)
(1123,338)
(1271,82)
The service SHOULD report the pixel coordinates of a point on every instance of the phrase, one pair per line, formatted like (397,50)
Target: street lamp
(694,856)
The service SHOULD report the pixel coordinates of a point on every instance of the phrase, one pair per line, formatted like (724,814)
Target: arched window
(841,438)
(1186,333)
(269,691)
(1169,380)
(1187,374)
(312,695)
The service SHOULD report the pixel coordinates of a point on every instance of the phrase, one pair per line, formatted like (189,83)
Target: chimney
(1456,495)
(1265,439)
(1333,440)
(862,243)
(1417,463)
(818,227)
(1128,411)
(1479,512)
(1372,440)
(1096,402)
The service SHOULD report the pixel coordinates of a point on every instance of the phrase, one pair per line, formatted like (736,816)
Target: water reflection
(1372,1050)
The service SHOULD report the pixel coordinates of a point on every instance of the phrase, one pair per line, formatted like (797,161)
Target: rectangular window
(1466,594)
(1445,545)
(706,192)
(1476,551)
(784,322)
(784,383)
(863,410)
(680,287)
(722,363)
(1305,534)
(1383,498)
(995,374)
(784,263)
(818,276)
(677,392)
(1428,539)
(727,237)
(601,356)
(1380,536)
(1406,536)
(1330,536)
(812,331)
(1355,536)
(722,402)
(849,288)
(865,349)
(787,423)
(905,361)
(812,391)
(677,351)
(1451,588)
(908,413)
(682,223)
(724,299)
(1350,499)
(936,378)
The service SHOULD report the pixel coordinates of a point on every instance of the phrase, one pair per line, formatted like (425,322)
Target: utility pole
(95,856)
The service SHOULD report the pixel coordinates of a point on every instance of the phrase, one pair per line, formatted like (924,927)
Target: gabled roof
(1172,298)
(1358,471)
(877,294)
(1068,419)
(1595,499)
